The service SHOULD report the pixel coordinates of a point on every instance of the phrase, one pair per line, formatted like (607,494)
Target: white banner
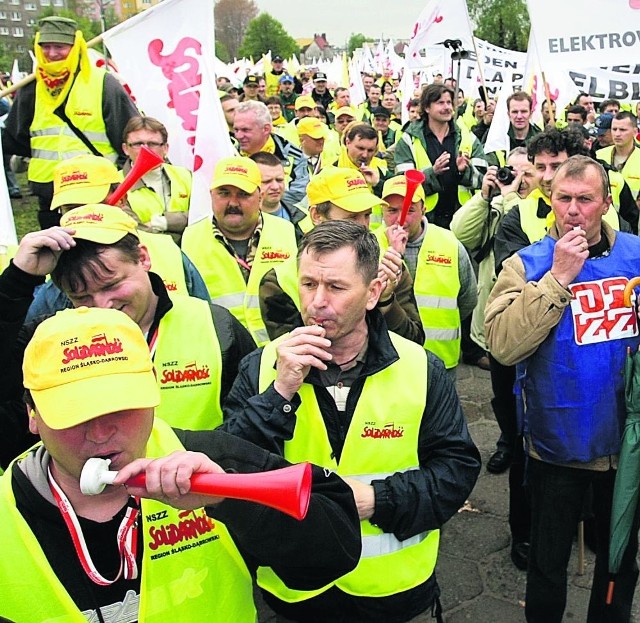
(167,62)
(574,34)
(500,67)
(621,82)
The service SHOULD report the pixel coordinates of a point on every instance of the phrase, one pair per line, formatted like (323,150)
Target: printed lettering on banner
(599,313)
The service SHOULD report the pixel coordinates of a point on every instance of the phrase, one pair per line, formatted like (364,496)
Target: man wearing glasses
(159,200)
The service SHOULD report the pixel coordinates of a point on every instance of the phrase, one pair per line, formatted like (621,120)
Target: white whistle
(95,476)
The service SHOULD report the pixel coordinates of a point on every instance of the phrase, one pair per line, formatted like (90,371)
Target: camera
(505,175)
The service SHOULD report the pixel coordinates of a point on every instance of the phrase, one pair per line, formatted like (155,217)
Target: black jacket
(406,503)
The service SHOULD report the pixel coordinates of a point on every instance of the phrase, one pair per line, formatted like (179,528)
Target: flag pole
(480,68)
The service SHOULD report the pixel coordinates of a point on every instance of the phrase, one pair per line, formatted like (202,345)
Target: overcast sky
(339,18)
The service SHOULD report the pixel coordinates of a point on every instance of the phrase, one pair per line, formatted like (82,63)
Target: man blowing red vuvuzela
(159,552)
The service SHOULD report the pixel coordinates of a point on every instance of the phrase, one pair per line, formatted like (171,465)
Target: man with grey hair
(557,311)
(253,129)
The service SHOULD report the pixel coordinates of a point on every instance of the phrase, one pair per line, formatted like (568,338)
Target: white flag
(167,61)
(573,35)
(440,21)
(356,88)
(498,137)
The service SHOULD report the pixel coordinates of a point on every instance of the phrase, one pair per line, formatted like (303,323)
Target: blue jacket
(574,382)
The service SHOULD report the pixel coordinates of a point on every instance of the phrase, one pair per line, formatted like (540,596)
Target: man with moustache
(239,244)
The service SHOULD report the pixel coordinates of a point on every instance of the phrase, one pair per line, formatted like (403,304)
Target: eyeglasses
(149,144)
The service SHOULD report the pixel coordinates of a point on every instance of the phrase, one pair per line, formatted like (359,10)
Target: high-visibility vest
(53,140)
(166,261)
(422,161)
(188,364)
(146,203)
(436,288)
(631,169)
(190,564)
(382,439)
(222,274)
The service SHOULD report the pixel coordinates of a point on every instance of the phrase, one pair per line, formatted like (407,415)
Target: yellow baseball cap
(345,188)
(312,127)
(238,171)
(83,179)
(100,223)
(83,363)
(305,101)
(398,186)
(345,110)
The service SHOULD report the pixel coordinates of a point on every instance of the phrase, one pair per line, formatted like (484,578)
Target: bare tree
(232,18)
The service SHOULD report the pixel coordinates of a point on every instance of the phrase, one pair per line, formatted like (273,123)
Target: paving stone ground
(478,581)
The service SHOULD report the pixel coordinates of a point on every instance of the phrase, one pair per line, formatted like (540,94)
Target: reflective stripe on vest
(51,138)
(436,287)
(382,439)
(145,202)
(422,161)
(223,276)
(188,365)
(182,576)
(166,261)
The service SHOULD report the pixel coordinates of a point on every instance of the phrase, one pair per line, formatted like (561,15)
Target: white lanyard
(127,538)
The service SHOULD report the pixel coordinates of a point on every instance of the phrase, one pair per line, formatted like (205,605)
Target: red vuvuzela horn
(287,489)
(145,161)
(414,179)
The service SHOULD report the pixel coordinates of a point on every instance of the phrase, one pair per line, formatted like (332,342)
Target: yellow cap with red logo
(398,186)
(100,223)
(238,171)
(83,363)
(343,187)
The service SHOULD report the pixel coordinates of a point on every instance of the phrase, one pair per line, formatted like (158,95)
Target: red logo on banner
(599,313)
(182,68)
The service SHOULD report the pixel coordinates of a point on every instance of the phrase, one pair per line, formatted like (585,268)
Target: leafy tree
(232,18)
(266,33)
(501,22)
(356,40)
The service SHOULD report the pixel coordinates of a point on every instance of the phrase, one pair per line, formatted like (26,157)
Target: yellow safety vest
(146,203)
(223,276)
(188,364)
(7,254)
(51,138)
(382,439)
(273,83)
(422,161)
(436,288)
(166,261)
(190,564)
(631,169)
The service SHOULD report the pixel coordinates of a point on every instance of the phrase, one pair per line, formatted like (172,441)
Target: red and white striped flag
(167,61)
